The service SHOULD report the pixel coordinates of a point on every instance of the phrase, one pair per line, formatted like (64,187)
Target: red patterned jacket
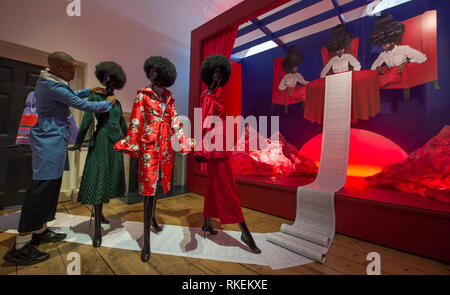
(150,137)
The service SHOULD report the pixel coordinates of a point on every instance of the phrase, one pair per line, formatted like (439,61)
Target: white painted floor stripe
(173,240)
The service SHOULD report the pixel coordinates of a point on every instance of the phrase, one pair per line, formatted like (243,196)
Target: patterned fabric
(150,136)
(399,55)
(29,118)
(340,64)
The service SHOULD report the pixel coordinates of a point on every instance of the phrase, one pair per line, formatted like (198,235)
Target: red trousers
(221,200)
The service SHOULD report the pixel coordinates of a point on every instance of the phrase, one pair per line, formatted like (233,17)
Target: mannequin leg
(104,220)
(97,241)
(247,238)
(207,227)
(148,210)
(155,225)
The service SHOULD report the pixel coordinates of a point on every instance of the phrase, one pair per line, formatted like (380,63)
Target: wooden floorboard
(124,262)
(6,243)
(347,255)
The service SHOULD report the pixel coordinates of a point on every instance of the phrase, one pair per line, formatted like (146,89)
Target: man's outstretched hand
(112,99)
(98,90)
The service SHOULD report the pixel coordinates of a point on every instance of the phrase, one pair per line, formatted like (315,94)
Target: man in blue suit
(49,140)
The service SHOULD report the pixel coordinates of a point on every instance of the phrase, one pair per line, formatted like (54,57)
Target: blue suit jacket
(49,137)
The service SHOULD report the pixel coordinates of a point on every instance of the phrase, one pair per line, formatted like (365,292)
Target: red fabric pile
(426,171)
(271,158)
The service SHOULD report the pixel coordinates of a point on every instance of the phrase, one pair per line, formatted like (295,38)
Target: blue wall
(409,123)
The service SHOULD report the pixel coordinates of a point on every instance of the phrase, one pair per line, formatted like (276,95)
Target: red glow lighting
(369,152)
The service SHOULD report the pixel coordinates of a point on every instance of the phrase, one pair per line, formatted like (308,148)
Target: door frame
(71,179)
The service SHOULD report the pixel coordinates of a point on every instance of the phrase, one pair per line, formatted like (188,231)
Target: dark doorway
(17,80)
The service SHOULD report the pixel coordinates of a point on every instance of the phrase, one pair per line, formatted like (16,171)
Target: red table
(365,97)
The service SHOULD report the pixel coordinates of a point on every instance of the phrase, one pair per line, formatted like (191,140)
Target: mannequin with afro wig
(342,62)
(154,128)
(388,34)
(160,71)
(221,185)
(292,77)
(215,71)
(103,175)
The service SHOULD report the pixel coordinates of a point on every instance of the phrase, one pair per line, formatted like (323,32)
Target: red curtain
(230,95)
(220,44)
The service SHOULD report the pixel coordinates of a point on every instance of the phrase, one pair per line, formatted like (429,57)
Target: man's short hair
(60,59)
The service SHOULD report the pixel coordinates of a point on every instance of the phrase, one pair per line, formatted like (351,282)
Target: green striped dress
(103,174)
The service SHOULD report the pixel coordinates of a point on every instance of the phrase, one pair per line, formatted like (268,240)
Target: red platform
(391,218)
(388,217)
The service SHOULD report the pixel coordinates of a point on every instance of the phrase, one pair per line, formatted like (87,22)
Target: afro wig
(294,59)
(114,71)
(386,31)
(167,73)
(340,39)
(209,66)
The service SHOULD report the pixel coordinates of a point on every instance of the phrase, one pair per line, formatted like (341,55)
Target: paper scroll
(313,230)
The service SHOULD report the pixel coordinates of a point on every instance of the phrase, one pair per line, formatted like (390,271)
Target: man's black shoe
(47,237)
(26,256)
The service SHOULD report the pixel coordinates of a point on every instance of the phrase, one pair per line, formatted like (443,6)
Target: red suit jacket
(211,106)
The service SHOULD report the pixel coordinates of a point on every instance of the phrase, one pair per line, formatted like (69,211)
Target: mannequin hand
(200,159)
(112,99)
(400,68)
(98,90)
(380,71)
(290,92)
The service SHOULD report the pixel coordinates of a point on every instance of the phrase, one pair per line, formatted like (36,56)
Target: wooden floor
(346,256)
